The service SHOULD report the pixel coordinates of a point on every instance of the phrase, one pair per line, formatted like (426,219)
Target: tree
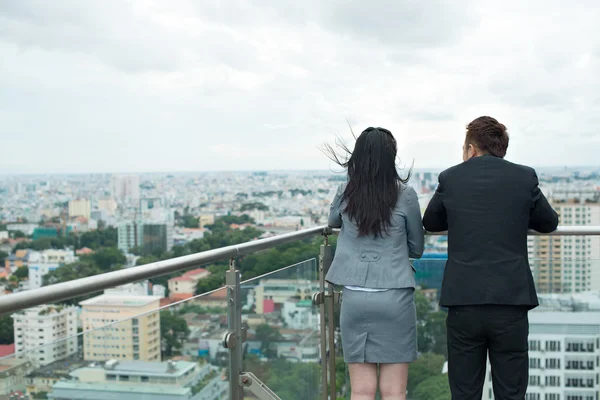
(267,335)
(18,235)
(189,221)
(174,331)
(427,366)
(3,256)
(7,334)
(107,258)
(434,388)
(22,272)
(294,381)
(431,327)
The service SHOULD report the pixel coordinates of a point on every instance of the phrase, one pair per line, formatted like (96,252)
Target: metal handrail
(78,287)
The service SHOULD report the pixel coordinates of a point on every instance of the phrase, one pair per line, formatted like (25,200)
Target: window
(111,377)
(145,379)
(124,378)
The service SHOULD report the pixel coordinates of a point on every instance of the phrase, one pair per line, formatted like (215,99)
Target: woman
(381,228)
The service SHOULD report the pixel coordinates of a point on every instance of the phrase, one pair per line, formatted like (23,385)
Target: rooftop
(145,368)
(95,391)
(120,301)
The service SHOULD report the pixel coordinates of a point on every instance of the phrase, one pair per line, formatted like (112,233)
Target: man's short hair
(488,135)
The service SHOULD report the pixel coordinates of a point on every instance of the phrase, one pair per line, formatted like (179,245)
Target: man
(487,205)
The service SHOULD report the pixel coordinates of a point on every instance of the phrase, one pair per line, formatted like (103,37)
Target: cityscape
(162,338)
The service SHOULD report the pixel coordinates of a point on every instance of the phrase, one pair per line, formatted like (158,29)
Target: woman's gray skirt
(379,327)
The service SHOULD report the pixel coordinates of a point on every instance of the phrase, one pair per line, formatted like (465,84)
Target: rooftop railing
(318,346)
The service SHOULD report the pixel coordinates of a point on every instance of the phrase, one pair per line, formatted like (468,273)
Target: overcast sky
(182,85)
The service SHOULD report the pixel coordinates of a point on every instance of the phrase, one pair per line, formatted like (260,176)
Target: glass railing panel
(173,352)
(283,348)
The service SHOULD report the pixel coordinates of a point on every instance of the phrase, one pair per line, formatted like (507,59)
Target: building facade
(564,349)
(568,264)
(45,334)
(145,235)
(137,337)
(80,208)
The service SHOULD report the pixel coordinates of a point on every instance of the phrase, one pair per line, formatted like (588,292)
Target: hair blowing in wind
(373,181)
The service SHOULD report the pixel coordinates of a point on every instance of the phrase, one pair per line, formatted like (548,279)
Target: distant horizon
(250,171)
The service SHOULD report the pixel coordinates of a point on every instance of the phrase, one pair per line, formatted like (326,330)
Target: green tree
(107,258)
(189,221)
(428,365)
(3,256)
(174,331)
(7,334)
(22,272)
(294,381)
(434,388)
(431,326)
(267,336)
(18,235)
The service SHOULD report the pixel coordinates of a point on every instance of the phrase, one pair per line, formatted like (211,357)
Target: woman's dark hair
(489,135)
(373,181)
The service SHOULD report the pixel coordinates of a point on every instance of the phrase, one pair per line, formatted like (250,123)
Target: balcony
(273,336)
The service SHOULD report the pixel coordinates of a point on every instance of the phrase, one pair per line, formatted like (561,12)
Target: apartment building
(564,354)
(44,262)
(137,337)
(568,264)
(45,334)
(80,208)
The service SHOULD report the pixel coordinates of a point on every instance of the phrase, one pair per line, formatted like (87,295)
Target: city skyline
(192,85)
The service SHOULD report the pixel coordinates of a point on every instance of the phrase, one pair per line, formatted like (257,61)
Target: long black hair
(373,180)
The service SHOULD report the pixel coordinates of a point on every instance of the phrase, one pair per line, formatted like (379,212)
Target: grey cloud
(111,31)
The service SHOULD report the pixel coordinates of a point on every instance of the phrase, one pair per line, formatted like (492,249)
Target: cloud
(243,84)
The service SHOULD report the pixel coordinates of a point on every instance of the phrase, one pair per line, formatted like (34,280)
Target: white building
(299,314)
(138,380)
(46,334)
(564,349)
(126,188)
(42,263)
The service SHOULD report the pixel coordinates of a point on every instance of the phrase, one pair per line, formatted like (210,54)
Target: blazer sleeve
(414,224)
(435,218)
(542,217)
(335,213)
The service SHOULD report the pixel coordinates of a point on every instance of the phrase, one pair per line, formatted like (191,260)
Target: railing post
(233,339)
(325,300)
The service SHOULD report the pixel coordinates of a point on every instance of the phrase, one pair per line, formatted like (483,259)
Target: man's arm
(542,217)
(435,218)
(335,214)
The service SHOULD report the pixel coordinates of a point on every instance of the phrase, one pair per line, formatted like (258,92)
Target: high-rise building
(564,264)
(126,188)
(46,334)
(80,208)
(564,348)
(148,236)
(137,337)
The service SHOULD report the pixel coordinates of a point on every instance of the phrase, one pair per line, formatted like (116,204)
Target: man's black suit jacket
(487,205)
